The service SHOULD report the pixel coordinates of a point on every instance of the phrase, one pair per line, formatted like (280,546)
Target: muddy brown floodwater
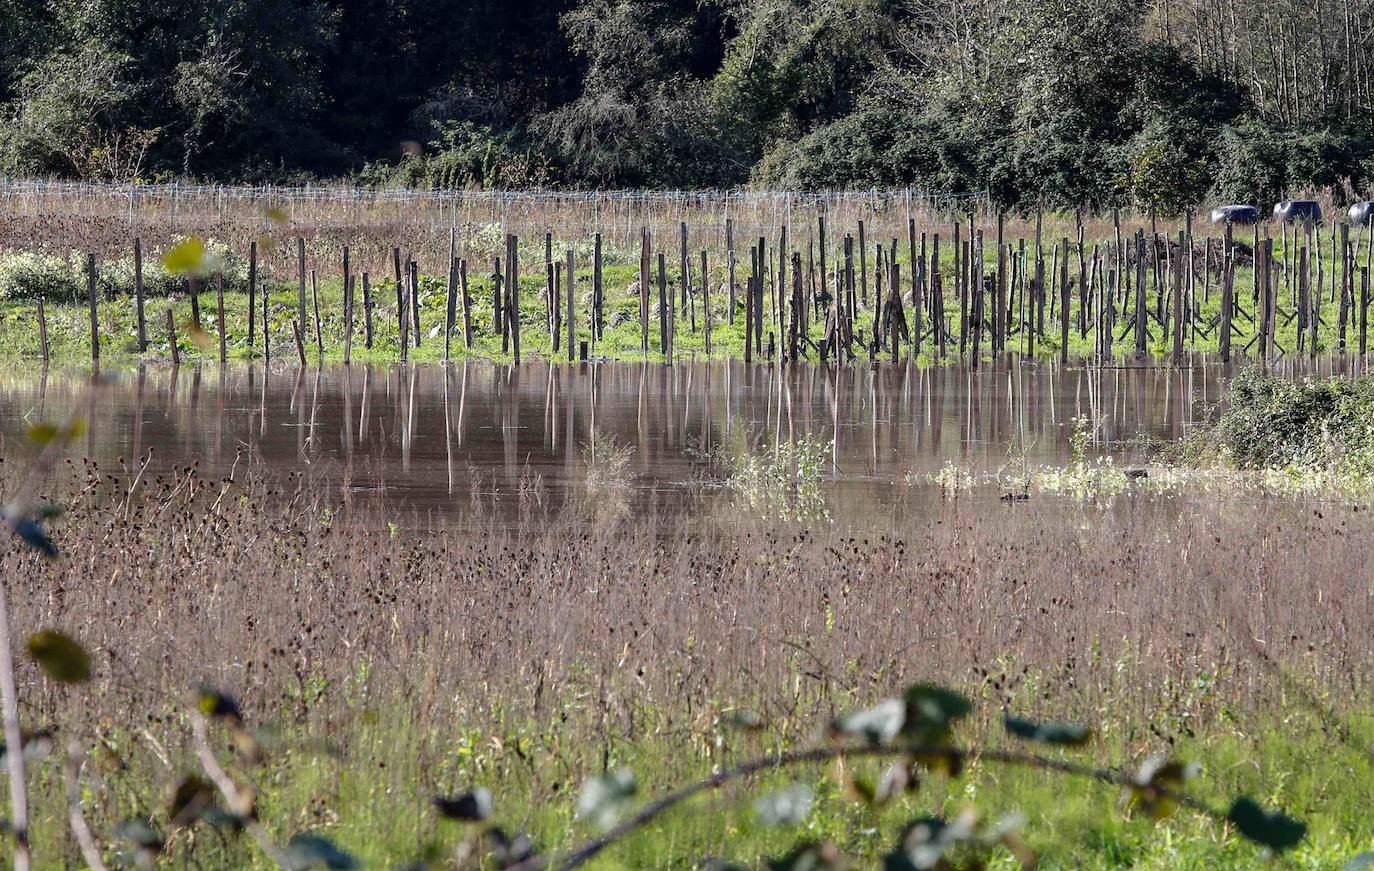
(433,440)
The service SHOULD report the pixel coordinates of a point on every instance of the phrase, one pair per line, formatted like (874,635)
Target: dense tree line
(1087,102)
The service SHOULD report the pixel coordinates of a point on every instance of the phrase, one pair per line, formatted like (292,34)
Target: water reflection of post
(262,403)
(550,426)
(510,421)
(139,384)
(409,434)
(639,412)
(448,430)
(43,392)
(314,408)
(348,418)
(568,399)
(832,382)
(192,431)
(462,401)
(219,413)
(298,406)
(364,402)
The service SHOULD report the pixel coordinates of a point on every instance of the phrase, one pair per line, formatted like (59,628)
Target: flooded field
(433,439)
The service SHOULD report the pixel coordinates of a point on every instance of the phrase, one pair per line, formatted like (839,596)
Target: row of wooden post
(835,294)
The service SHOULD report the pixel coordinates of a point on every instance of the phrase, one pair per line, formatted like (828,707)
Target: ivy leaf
(930,714)
(473,806)
(42,433)
(60,656)
(604,798)
(213,703)
(897,778)
(187,257)
(314,851)
(1275,830)
(1152,785)
(190,797)
(35,536)
(1051,732)
(140,833)
(786,807)
(810,856)
(276,215)
(925,841)
(878,725)
(197,334)
(744,720)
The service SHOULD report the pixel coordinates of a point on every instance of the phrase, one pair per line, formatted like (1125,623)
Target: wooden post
(513,294)
(252,291)
(1228,277)
(598,300)
(664,306)
(682,267)
(348,323)
(730,268)
(300,343)
(266,334)
(402,339)
(95,319)
(43,331)
(367,312)
(706,301)
(193,286)
(1178,269)
(644,291)
(138,291)
(415,300)
(467,302)
(172,339)
(1064,297)
(451,294)
(300,281)
(552,322)
(498,322)
(1364,307)
(1141,311)
(571,314)
(219,305)
(315,299)
(863,264)
(749,307)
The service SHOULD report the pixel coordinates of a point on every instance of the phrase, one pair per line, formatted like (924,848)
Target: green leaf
(141,833)
(1059,733)
(473,806)
(60,656)
(1275,830)
(604,798)
(931,712)
(42,433)
(1152,785)
(314,851)
(786,807)
(187,257)
(878,725)
(213,703)
(190,797)
(810,856)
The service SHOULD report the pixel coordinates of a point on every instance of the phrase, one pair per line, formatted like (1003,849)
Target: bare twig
(232,796)
(9,699)
(90,852)
(586,852)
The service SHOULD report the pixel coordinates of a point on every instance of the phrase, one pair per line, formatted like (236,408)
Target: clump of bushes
(31,275)
(1275,423)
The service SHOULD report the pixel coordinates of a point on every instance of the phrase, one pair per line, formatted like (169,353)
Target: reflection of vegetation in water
(1295,437)
(608,472)
(1081,478)
(783,480)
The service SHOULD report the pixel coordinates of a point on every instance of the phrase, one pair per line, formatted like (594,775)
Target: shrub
(30,275)
(1273,423)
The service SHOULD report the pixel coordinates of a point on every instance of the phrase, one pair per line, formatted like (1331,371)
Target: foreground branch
(231,793)
(646,814)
